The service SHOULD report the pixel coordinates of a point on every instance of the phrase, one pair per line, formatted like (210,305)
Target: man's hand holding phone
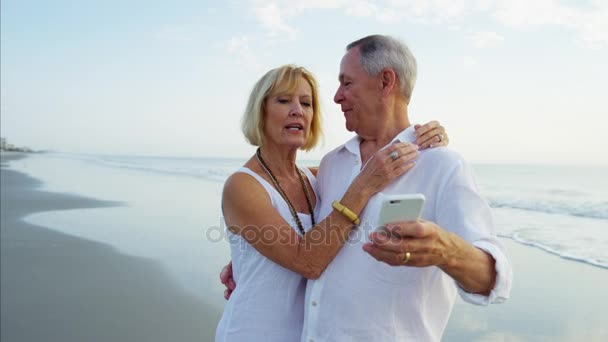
(412,243)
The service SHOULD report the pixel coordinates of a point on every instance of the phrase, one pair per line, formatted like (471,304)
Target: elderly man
(407,290)
(400,285)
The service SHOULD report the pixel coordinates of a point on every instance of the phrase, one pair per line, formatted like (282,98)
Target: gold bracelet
(342,209)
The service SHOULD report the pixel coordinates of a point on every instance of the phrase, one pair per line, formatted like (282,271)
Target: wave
(215,175)
(589,209)
(216,170)
(212,169)
(553,201)
(562,254)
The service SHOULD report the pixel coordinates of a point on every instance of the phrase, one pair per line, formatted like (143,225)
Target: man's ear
(388,79)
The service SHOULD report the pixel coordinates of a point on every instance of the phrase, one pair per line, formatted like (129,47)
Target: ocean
(170,207)
(560,209)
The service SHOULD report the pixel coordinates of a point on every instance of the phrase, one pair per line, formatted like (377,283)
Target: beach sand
(56,287)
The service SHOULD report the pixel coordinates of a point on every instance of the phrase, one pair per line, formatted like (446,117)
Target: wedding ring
(394,155)
(406,257)
(440,136)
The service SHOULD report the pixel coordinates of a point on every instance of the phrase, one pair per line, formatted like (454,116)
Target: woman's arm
(248,212)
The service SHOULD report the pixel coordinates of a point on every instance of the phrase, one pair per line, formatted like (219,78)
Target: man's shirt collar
(407,135)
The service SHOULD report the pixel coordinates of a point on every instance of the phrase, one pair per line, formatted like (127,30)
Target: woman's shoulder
(244,175)
(240,179)
(242,188)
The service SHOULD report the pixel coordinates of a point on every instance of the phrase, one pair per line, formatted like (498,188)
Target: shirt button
(311,340)
(314,303)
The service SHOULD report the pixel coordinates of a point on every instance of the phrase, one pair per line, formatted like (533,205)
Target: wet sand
(56,287)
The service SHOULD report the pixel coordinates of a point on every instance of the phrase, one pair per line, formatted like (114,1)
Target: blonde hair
(282,80)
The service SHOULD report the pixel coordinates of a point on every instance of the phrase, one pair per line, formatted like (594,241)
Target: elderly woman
(269,204)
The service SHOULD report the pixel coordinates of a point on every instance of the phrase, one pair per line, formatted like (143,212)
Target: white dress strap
(272,192)
(307,172)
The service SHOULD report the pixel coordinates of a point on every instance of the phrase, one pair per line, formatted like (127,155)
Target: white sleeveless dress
(268,302)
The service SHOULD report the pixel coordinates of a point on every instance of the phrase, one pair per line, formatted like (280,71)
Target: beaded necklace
(258,155)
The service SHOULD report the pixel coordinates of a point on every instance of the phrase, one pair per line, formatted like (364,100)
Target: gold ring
(406,257)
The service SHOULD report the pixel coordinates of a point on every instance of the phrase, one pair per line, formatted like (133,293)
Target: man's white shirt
(358,298)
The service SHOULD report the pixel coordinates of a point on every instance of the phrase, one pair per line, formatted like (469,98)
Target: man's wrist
(453,259)
(464,259)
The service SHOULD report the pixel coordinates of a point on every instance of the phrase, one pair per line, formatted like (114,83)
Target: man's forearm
(472,268)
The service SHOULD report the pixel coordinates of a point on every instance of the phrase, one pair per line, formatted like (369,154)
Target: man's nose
(338,97)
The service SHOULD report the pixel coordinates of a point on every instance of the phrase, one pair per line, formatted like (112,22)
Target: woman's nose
(297,110)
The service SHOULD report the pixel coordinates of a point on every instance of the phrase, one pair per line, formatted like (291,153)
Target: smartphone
(405,207)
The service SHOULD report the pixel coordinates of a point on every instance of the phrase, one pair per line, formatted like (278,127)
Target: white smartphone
(406,207)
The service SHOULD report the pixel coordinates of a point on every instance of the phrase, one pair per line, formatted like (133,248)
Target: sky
(513,81)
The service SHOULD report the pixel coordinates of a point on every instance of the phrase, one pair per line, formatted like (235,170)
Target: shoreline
(56,287)
(549,250)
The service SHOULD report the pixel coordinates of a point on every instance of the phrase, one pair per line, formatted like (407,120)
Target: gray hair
(381,51)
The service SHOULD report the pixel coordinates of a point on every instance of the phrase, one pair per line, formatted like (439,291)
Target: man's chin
(348,123)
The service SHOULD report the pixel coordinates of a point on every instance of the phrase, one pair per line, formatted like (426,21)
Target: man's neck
(384,133)
(368,147)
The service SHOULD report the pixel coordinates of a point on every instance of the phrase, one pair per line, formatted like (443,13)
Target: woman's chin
(295,144)
(294,141)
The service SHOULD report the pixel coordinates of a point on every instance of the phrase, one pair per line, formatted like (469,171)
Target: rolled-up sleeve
(504,276)
(463,210)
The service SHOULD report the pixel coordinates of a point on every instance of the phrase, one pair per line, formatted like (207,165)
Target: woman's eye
(283,100)
(306,104)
